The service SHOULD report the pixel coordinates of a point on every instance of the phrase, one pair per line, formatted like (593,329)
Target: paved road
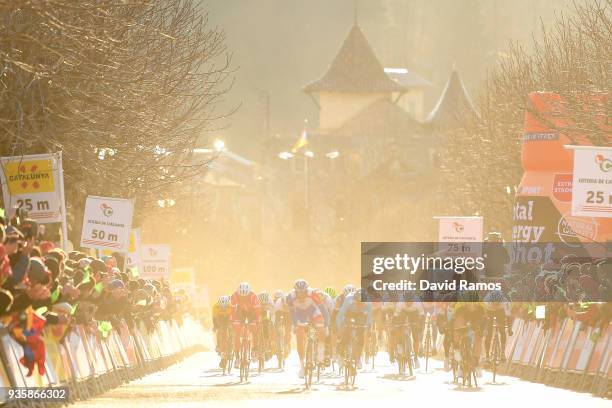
(196,382)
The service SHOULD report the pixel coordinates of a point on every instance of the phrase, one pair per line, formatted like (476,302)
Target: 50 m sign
(107,223)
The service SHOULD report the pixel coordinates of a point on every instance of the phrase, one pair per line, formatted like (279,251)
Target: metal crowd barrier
(88,364)
(569,354)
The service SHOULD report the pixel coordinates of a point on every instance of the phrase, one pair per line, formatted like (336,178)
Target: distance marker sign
(34,183)
(107,223)
(592,181)
(155,261)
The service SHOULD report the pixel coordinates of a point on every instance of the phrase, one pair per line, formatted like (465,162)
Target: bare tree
(482,165)
(123,88)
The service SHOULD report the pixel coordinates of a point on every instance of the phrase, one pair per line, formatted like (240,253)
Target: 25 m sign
(33,184)
(592,181)
(107,223)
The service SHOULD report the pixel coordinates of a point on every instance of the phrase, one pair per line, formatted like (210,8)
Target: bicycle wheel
(280,349)
(260,350)
(245,358)
(466,362)
(495,355)
(347,371)
(373,347)
(228,352)
(308,364)
(399,356)
(408,352)
(427,349)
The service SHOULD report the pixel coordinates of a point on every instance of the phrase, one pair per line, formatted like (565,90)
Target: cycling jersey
(328,302)
(267,311)
(281,309)
(340,301)
(351,308)
(220,315)
(413,310)
(245,306)
(308,308)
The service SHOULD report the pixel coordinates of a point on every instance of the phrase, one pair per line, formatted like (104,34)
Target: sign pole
(63,203)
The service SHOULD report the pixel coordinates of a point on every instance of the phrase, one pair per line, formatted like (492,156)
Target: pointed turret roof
(454,103)
(355,69)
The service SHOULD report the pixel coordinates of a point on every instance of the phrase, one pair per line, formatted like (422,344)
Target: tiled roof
(406,78)
(355,69)
(379,117)
(454,104)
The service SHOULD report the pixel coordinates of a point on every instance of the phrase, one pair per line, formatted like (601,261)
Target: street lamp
(166,202)
(285,155)
(219,145)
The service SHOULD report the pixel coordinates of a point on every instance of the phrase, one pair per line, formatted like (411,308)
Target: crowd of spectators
(571,279)
(42,286)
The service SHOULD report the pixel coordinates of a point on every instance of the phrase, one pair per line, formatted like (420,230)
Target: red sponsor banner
(551,345)
(562,187)
(599,351)
(579,344)
(564,340)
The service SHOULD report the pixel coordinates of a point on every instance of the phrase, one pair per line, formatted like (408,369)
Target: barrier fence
(568,354)
(87,363)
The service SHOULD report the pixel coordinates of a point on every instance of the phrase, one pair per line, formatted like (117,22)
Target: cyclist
(307,308)
(348,289)
(221,317)
(267,310)
(356,310)
(409,311)
(333,334)
(282,315)
(497,308)
(431,309)
(245,313)
(330,305)
(443,318)
(466,310)
(377,300)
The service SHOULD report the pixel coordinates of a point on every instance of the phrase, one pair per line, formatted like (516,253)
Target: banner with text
(183,278)
(134,258)
(34,183)
(460,235)
(107,223)
(592,182)
(155,261)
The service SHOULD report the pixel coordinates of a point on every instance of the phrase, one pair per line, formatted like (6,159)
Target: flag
(301,142)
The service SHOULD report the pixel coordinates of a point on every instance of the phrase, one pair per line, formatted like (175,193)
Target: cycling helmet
(495,296)
(244,289)
(264,298)
(278,294)
(358,294)
(348,289)
(300,285)
(468,296)
(331,292)
(224,301)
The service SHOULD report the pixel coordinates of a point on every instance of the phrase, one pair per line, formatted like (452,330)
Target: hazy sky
(280,45)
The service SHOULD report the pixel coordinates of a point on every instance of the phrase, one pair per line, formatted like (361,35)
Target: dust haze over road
(197,382)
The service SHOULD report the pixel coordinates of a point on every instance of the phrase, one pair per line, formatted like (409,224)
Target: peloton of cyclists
(354,314)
